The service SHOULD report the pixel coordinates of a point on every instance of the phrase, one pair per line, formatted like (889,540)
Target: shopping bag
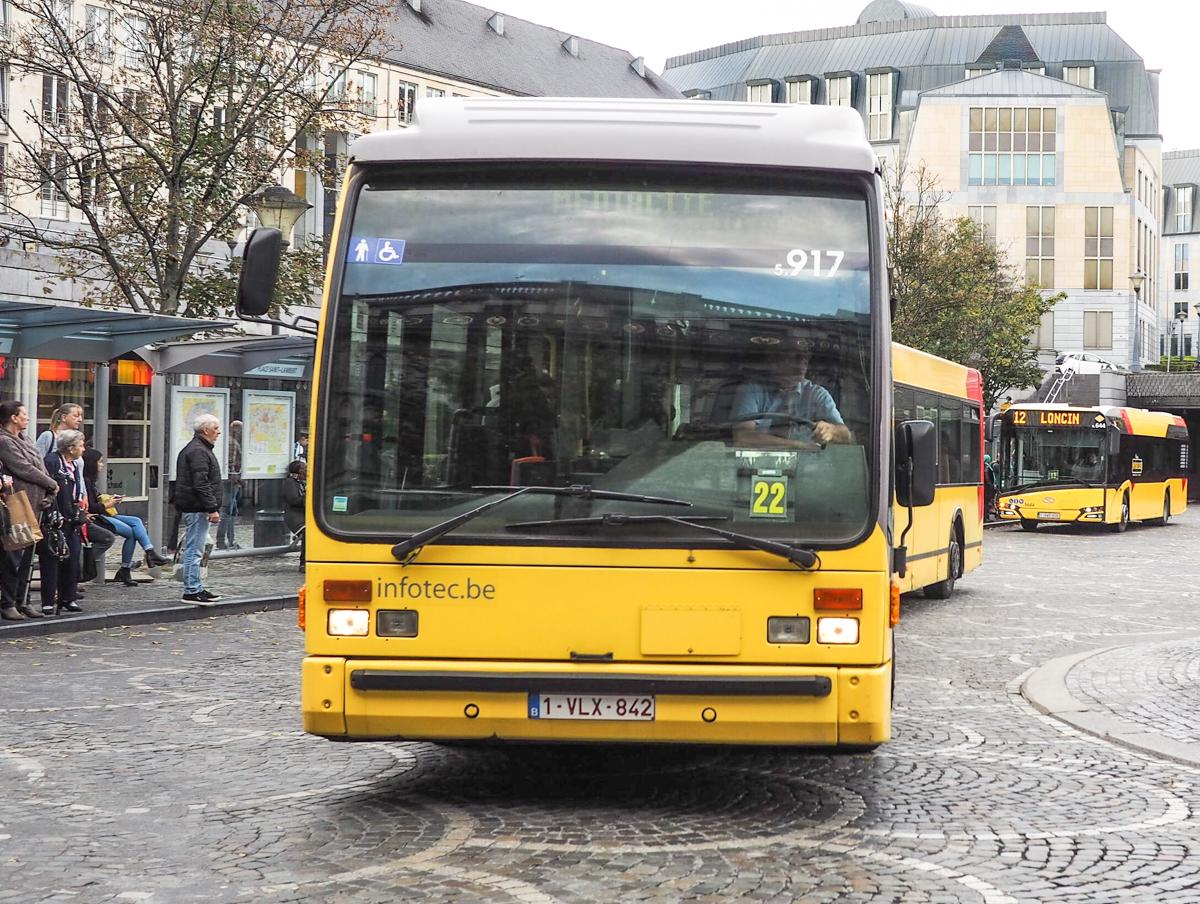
(22,529)
(177,562)
(88,568)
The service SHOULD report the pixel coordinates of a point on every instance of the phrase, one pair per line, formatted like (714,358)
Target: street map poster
(188,403)
(268,431)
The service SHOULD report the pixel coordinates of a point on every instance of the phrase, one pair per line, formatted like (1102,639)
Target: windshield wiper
(406,550)
(797,555)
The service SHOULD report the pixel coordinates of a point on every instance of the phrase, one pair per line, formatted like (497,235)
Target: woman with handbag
(21,459)
(103,509)
(60,574)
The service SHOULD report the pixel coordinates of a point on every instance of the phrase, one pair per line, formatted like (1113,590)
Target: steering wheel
(782,415)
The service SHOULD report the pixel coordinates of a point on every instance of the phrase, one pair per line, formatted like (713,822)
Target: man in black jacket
(198,498)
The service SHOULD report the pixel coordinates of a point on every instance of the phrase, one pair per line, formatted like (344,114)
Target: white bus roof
(689,131)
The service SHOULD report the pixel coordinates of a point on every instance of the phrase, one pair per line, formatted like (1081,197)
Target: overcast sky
(1163,32)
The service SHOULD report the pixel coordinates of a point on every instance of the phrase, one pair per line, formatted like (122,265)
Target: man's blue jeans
(195,532)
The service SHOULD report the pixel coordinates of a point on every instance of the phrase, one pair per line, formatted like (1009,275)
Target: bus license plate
(605,707)
(1049,516)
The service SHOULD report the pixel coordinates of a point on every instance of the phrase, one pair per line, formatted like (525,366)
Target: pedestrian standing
(198,499)
(21,459)
(60,573)
(233,490)
(295,489)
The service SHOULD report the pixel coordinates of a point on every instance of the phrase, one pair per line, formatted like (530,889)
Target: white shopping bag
(177,563)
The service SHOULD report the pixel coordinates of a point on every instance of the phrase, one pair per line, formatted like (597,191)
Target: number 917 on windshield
(820,263)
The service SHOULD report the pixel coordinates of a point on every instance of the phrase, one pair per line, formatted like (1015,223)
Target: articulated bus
(1096,466)
(603,440)
(947,536)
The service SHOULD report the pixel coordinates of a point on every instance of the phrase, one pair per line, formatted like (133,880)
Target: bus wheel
(1028,524)
(942,589)
(1166,515)
(1120,526)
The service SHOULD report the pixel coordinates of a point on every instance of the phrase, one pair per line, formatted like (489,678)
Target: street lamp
(278,208)
(1180,316)
(1196,307)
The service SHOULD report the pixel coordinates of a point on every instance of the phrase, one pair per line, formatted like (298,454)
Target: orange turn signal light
(843,599)
(302,595)
(348,591)
(894,610)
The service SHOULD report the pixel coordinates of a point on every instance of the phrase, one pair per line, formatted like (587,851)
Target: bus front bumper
(364,699)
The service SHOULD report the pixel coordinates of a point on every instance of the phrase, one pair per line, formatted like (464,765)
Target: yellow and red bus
(946,539)
(1102,465)
(602,439)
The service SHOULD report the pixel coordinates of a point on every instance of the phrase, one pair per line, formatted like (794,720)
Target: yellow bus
(1102,465)
(602,436)
(946,539)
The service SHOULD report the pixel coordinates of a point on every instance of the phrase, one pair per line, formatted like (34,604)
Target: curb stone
(43,627)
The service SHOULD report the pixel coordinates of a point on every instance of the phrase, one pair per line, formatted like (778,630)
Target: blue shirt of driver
(807,400)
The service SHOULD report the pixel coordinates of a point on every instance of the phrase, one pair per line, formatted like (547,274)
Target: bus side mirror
(916,463)
(260,270)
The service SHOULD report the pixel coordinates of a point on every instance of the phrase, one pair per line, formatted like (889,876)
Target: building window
(975,71)
(1012,146)
(838,91)
(3,96)
(434,92)
(984,219)
(55,100)
(406,102)
(1097,247)
(3,170)
(138,44)
(1039,246)
(879,106)
(1181,268)
(98,31)
(759,93)
(128,428)
(51,194)
(1097,329)
(799,91)
(1083,76)
(1183,207)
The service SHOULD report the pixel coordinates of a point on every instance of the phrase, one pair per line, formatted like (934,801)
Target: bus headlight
(787,629)
(837,630)
(349,622)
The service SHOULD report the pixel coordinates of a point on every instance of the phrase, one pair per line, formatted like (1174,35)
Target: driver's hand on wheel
(823,432)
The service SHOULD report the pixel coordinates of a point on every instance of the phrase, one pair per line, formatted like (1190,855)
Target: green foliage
(956,296)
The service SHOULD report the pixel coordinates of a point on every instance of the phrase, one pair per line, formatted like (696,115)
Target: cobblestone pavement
(164,764)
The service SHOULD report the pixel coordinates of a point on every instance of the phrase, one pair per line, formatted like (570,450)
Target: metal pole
(100,421)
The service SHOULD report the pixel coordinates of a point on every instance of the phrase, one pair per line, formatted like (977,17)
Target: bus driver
(814,417)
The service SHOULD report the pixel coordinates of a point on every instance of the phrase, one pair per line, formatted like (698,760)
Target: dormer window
(799,90)
(697,94)
(1184,198)
(760,91)
(838,90)
(880,86)
(1079,73)
(496,23)
(975,71)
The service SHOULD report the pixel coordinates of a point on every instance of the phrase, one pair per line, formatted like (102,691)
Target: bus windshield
(632,333)
(1045,457)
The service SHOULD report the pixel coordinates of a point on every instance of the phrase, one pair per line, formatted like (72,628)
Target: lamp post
(1180,316)
(276,208)
(1135,281)
(1196,308)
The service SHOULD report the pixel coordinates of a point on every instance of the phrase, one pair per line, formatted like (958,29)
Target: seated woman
(104,510)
